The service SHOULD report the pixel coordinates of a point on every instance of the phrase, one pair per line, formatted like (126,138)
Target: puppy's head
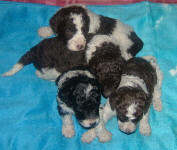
(87,98)
(130,105)
(71,23)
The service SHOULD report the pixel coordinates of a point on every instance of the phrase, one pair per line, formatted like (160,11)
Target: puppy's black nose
(80,47)
(92,125)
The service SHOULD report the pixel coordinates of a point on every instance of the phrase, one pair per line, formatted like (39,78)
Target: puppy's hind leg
(144,126)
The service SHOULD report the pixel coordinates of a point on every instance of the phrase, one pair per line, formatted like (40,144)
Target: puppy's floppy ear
(56,20)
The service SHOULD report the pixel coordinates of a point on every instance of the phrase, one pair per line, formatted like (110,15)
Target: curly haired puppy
(75,22)
(79,93)
(106,60)
(140,84)
(50,57)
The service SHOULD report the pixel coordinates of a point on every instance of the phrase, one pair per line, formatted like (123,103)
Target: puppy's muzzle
(127,127)
(89,123)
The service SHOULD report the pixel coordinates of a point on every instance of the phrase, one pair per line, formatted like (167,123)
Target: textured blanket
(28,109)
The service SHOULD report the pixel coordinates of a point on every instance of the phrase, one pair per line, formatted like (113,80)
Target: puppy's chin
(127,127)
(89,123)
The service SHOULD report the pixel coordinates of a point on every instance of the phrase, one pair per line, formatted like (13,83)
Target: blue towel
(28,109)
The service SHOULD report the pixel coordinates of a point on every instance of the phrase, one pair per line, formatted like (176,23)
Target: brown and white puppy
(74,22)
(50,57)
(79,94)
(140,84)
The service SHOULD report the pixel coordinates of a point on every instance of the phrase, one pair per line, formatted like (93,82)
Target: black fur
(60,23)
(107,64)
(72,94)
(52,53)
(121,99)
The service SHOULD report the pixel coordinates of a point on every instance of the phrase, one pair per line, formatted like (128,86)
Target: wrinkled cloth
(28,109)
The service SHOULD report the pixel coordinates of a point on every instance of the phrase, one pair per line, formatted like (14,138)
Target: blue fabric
(28,116)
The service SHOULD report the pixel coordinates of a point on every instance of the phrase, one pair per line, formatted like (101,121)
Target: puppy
(140,84)
(50,57)
(106,61)
(79,93)
(75,22)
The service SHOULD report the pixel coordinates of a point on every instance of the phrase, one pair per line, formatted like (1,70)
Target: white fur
(88,89)
(121,33)
(156,99)
(144,126)
(132,81)
(94,22)
(17,67)
(127,127)
(97,41)
(45,32)
(108,113)
(99,131)
(131,110)
(67,126)
(78,38)
(74,73)
(65,107)
(48,74)
(87,122)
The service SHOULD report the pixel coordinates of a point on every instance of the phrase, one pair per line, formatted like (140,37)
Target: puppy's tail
(26,59)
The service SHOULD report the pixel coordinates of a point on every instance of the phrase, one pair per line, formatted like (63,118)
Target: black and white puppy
(140,85)
(106,61)
(50,57)
(79,93)
(75,22)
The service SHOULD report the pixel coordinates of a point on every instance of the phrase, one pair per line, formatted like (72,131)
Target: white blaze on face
(130,111)
(78,41)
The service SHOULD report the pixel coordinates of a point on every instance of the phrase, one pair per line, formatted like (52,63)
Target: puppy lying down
(50,57)
(74,22)
(79,93)
(140,84)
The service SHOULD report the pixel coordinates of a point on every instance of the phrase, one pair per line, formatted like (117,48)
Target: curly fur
(132,99)
(79,93)
(105,61)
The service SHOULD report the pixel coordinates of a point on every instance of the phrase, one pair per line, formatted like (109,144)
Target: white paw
(157,105)
(105,136)
(88,136)
(45,32)
(68,131)
(145,129)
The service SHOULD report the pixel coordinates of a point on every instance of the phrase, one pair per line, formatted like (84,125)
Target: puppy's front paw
(105,136)
(145,129)
(68,131)
(88,136)
(157,105)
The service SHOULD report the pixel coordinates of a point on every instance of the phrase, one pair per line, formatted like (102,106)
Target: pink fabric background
(90,2)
